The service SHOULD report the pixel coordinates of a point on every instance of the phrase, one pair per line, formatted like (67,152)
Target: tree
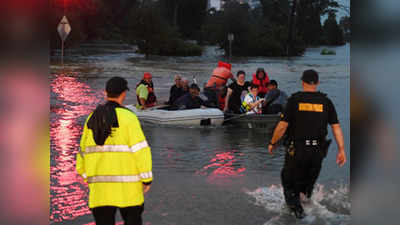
(345,25)
(332,33)
(309,14)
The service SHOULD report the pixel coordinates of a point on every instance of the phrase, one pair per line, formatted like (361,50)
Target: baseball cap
(194,86)
(147,75)
(310,77)
(116,85)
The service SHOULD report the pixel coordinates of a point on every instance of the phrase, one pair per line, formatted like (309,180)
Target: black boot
(293,202)
(298,211)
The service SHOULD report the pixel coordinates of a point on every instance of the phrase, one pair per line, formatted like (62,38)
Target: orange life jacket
(262,84)
(219,77)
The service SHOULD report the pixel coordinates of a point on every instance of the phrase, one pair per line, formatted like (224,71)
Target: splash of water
(325,207)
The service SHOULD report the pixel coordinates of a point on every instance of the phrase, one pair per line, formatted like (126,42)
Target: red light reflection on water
(223,165)
(74,101)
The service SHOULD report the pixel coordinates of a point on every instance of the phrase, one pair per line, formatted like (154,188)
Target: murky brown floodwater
(202,175)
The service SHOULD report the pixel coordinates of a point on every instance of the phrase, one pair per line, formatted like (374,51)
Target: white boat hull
(189,117)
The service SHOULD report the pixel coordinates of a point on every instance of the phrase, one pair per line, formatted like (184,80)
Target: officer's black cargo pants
(105,215)
(300,172)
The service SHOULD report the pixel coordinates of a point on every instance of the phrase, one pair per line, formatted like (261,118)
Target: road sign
(63,28)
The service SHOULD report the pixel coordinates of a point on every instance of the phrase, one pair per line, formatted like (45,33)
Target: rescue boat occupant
(115,159)
(145,92)
(190,100)
(252,103)
(176,90)
(261,79)
(218,79)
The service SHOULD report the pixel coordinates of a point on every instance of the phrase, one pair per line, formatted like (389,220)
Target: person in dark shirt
(275,99)
(176,90)
(233,99)
(190,100)
(306,120)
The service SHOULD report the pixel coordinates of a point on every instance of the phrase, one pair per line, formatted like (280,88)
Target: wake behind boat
(187,117)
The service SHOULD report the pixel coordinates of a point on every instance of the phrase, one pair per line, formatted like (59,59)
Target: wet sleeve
(142,91)
(80,160)
(142,152)
(332,115)
(232,86)
(287,115)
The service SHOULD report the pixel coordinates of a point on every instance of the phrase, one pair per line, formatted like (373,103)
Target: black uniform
(308,115)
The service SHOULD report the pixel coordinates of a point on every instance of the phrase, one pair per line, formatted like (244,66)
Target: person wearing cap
(176,90)
(261,79)
(306,120)
(115,159)
(218,79)
(275,99)
(145,95)
(190,100)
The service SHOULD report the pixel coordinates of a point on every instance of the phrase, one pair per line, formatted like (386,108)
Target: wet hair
(252,86)
(240,72)
(261,70)
(194,86)
(273,82)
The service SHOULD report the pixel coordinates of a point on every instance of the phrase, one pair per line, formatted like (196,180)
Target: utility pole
(292,16)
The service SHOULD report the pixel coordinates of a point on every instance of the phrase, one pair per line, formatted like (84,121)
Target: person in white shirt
(252,103)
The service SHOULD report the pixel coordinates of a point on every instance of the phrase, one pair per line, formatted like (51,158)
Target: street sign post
(63,29)
(231,37)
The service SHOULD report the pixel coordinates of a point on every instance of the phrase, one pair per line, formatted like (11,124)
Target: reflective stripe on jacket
(116,170)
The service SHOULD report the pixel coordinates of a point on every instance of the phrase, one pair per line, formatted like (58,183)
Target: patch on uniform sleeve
(309,107)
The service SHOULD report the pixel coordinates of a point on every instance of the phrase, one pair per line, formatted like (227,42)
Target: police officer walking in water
(306,119)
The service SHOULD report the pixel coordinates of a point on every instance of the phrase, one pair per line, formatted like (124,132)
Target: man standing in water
(306,118)
(115,159)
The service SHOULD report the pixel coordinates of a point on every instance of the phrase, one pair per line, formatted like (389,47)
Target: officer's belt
(309,142)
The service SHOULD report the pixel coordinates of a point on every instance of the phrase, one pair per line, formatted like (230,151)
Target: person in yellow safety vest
(115,159)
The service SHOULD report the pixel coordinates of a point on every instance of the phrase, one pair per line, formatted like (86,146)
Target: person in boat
(252,103)
(190,100)
(221,97)
(176,90)
(236,90)
(306,120)
(275,100)
(115,159)
(185,86)
(145,92)
(218,79)
(261,79)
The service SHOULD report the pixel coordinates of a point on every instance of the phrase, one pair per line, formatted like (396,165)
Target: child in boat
(252,103)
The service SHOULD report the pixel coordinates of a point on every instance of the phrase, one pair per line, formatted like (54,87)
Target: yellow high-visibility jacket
(116,170)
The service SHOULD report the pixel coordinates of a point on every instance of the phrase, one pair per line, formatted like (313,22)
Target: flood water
(202,175)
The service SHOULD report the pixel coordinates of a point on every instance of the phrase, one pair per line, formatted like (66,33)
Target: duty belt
(312,142)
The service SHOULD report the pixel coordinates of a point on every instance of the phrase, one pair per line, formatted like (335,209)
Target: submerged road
(202,175)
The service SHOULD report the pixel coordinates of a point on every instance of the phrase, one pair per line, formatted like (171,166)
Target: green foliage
(345,25)
(333,34)
(259,32)
(155,36)
(326,51)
